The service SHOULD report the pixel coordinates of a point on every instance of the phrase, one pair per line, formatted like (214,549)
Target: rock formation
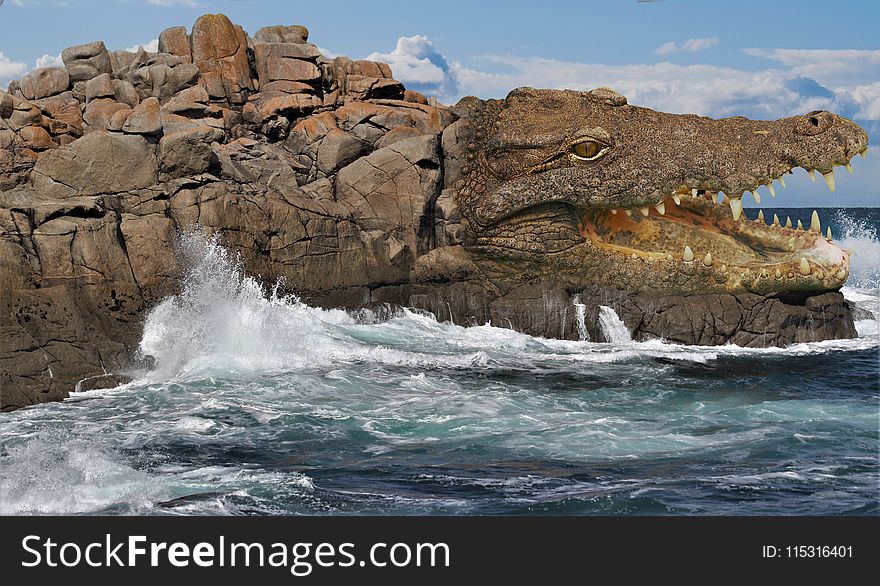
(326,172)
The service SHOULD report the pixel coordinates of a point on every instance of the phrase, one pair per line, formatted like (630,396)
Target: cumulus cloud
(417,63)
(49,61)
(800,81)
(149,47)
(10,70)
(690,46)
(849,74)
(834,67)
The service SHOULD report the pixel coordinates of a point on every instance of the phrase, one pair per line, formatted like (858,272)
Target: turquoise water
(262,405)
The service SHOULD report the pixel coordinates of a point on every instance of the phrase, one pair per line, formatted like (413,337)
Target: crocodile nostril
(814,121)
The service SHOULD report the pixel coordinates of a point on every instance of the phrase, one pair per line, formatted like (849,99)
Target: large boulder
(282,34)
(187,152)
(83,62)
(100,112)
(176,41)
(161,80)
(286,62)
(219,50)
(44,82)
(100,87)
(100,162)
(144,119)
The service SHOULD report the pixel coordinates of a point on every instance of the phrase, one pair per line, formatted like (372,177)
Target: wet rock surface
(327,173)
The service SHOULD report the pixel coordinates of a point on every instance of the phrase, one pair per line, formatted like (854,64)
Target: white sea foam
(49,474)
(224,323)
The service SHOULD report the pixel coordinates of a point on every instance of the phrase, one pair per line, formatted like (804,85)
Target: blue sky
(758,59)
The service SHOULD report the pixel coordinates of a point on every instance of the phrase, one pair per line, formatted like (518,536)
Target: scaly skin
(582,188)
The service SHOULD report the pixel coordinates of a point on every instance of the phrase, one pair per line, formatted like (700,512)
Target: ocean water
(262,405)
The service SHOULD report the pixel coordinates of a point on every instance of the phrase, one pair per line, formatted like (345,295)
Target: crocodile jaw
(738,254)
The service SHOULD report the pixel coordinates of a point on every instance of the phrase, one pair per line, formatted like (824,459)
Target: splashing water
(580,310)
(261,404)
(612,326)
(860,237)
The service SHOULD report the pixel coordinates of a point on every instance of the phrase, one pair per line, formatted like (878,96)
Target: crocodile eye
(587,150)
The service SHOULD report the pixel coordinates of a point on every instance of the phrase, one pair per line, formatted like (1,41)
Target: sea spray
(859,237)
(224,319)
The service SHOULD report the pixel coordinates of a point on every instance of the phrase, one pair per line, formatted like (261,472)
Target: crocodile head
(584,188)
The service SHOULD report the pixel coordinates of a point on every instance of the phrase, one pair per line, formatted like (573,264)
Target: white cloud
(694,45)
(700,89)
(417,63)
(10,70)
(149,47)
(690,46)
(49,61)
(835,67)
(666,48)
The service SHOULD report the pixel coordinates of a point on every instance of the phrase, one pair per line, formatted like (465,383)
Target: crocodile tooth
(661,208)
(757,196)
(841,274)
(721,197)
(790,275)
(677,199)
(644,211)
(787,222)
(668,256)
(707,260)
(781,180)
(828,234)
(634,256)
(760,217)
(628,212)
(829,179)
(775,220)
(812,175)
(848,168)
(688,255)
(800,225)
(778,274)
(850,251)
(815,226)
(864,153)
(736,207)
(764,273)
(723,268)
(771,189)
(613,211)
(693,193)
(804,267)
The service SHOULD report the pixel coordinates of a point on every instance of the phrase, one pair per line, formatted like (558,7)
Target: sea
(262,405)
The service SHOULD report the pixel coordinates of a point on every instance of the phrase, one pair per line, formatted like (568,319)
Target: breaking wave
(859,236)
(262,404)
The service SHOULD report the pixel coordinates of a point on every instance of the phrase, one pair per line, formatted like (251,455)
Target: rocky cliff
(327,173)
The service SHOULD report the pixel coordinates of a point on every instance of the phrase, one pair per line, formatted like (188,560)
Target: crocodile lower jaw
(744,254)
